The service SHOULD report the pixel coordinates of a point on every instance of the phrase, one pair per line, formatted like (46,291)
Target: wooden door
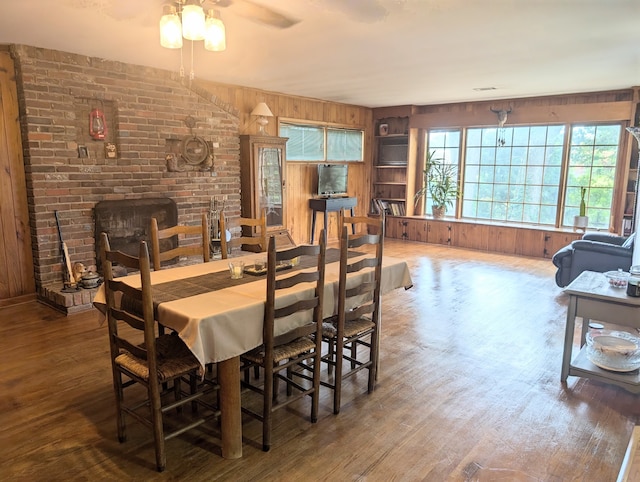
(16,261)
(439,232)
(417,230)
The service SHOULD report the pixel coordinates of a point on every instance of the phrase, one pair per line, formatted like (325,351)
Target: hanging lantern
(97,125)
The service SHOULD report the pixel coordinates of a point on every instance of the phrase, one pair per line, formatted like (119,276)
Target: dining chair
(253,234)
(151,362)
(357,322)
(292,354)
(161,247)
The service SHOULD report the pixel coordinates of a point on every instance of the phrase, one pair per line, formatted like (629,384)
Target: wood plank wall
(16,262)
(301,176)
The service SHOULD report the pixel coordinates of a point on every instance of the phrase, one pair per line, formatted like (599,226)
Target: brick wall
(145,112)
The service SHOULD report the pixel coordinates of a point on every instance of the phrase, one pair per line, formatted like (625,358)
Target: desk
(327,205)
(219,326)
(592,298)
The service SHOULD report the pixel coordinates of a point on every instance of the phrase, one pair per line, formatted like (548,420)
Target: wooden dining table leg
(230,410)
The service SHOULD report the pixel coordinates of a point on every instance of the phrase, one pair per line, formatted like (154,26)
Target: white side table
(592,298)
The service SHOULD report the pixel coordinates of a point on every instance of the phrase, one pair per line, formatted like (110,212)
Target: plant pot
(438,211)
(580,222)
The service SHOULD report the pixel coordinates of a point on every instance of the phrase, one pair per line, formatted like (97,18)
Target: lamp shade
(262,109)
(193,22)
(214,37)
(170,29)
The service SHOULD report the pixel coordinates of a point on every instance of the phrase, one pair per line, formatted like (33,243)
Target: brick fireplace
(149,114)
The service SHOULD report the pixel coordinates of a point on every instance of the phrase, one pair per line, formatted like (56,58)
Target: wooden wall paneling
(530,242)
(502,239)
(467,235)
(16,261)
(592,106)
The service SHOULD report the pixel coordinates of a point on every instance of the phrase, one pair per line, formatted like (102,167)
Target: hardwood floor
(469,390)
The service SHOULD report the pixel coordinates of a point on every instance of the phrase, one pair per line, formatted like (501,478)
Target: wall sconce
(262,111)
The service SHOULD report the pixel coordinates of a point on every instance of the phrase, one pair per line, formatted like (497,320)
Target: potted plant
(582,220)
(440,181)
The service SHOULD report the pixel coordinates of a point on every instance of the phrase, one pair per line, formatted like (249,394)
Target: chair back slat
(135,350)
(199,232)
(129,318)
(302,305)
(253,233)
(362,264)
(297,278)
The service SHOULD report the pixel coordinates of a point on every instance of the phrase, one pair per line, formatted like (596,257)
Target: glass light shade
(193,22)
(170,29)
(214,38)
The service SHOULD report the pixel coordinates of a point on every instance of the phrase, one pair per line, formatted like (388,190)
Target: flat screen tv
(332,179)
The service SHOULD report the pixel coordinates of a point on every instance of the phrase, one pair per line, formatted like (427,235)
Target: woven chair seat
(283,352)
(174,359)
(351,328)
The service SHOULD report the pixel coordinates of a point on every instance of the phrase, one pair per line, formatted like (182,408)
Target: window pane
(592,164)
(306,143)
(344,145)
(446,147)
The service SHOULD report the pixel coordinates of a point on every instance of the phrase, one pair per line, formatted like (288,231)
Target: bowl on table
(613,350)
(618,279)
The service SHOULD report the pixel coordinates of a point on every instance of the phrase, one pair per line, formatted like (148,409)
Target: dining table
(220,318)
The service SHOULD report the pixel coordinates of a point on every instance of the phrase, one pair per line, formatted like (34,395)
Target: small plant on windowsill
(582,220)
(440,181)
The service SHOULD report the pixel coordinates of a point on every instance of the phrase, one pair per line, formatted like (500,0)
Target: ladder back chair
(357,322)
(294,356)
(253,234)
(138,356)
(158,235)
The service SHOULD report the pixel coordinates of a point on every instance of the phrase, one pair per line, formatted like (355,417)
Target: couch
(594,252)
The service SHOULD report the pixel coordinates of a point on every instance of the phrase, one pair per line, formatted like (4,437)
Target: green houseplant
(440,181)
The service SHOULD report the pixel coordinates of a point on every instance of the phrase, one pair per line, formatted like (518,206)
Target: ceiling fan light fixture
(170,28)
(193,21)
(215,37)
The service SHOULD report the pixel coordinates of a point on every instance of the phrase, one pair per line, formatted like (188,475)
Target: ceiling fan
(250,10)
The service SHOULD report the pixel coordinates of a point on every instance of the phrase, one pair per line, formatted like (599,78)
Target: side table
(592,298)
(327,205)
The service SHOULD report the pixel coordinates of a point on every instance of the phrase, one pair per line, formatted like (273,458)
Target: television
(332,179)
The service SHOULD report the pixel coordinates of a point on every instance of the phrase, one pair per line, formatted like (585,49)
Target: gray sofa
(594,252)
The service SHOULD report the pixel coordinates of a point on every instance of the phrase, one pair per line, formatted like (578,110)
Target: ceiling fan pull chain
(192,74)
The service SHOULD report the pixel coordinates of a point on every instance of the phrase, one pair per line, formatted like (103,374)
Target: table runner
(196,285)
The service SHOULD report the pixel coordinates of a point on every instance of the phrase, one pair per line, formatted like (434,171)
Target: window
(522,180)
(593,153)
(322,143)
(517,182)
(446,144)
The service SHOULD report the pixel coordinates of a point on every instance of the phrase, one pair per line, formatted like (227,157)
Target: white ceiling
(367,52)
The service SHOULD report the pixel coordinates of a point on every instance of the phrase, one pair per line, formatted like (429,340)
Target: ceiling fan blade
(262,14)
